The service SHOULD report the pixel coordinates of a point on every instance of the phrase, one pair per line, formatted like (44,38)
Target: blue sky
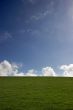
(36,33)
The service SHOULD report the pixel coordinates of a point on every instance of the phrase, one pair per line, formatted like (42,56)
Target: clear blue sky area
(36,33)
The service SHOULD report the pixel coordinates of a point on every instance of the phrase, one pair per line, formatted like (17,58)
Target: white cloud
(48,71)
(68,70)
(31,73)
(7,69)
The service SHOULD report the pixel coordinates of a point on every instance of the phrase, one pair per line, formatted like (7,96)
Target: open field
(36,93)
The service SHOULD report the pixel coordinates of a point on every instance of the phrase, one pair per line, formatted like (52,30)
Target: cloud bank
(12,69)
(68,70)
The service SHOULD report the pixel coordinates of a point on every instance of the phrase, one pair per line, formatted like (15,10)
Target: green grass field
(36,93)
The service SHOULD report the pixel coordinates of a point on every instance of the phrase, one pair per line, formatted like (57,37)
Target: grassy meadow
(36,93)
